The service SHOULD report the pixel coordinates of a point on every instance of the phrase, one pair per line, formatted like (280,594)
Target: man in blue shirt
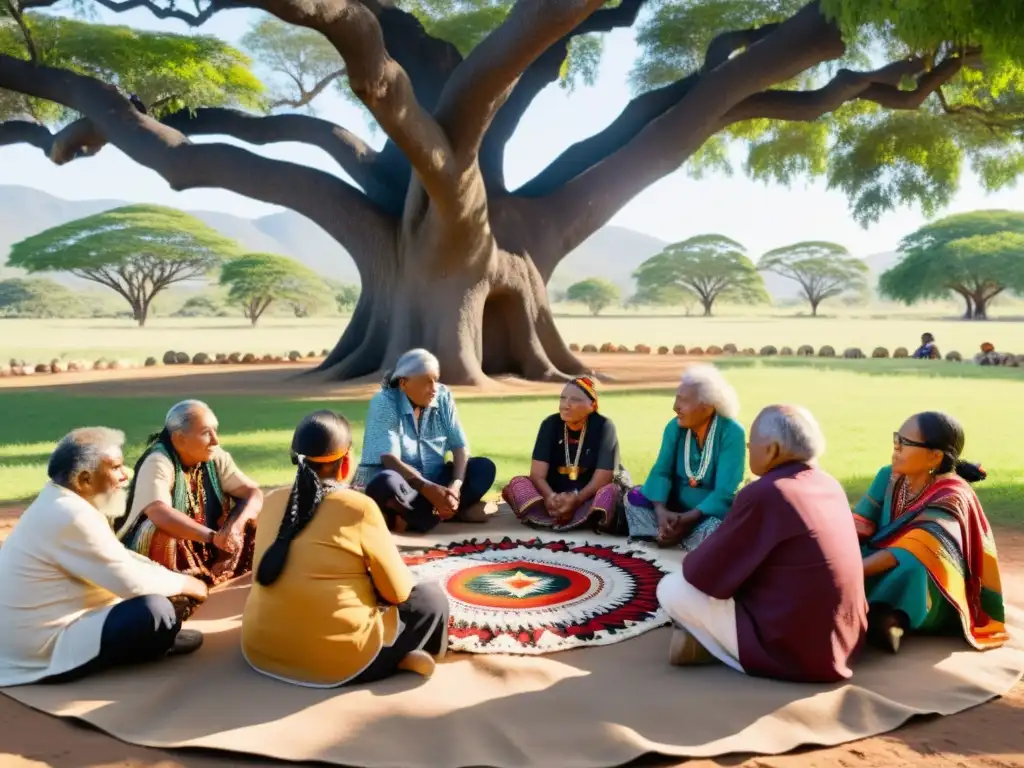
(411,426)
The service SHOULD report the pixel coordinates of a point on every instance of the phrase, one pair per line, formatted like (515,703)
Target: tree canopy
(711,266)
(976,256)
(885,101)
(137,251)
(822,270)
(596,292)
(39,298)
(257,280)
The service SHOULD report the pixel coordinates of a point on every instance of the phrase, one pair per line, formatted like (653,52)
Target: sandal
(187,641)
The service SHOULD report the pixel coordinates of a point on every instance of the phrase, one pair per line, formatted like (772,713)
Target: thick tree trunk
(980,306)
(814,307)
(483,314)
(969,311)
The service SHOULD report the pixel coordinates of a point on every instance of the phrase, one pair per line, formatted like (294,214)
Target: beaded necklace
(574,465)
(904,499)
(705,456)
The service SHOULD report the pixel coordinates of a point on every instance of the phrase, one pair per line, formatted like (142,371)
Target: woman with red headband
(332,602)
(572,476)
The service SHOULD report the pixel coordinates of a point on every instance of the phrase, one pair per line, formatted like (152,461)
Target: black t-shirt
(600,451)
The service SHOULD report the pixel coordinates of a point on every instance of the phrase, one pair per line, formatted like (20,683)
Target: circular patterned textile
(534,597)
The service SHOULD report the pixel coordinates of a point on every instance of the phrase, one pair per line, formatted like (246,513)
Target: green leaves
(256,280)
(711,266)
(167,71)
(975,253)
(596,292)
(126,238)
(823,270)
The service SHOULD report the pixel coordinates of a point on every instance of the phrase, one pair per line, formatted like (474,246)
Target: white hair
(712,389)
(793,428)
(181,415)
(83,450)
(415,362)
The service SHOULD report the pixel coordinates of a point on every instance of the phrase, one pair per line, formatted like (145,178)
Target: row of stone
(235,358)
(851,353)
(21,368)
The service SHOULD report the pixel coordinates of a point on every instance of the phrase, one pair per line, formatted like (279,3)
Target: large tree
(257,280)
(137,251)
(882,98)
(596,292)
(712,267)
(976,256)
(822,270)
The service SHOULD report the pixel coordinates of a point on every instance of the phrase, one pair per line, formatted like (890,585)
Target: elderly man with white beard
(73,600)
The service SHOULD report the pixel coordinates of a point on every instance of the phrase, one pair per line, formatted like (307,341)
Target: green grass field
(859,406)
(43,340)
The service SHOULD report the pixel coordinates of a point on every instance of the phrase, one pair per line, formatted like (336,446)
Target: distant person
(572,474)
(989,356)
(778,589)
(333,602)
(411,426)
(927,350)
(73,601)
(190,508)
(929,554)
(693,482)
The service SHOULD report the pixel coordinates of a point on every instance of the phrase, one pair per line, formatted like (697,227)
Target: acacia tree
(596,292)
(976,256)
(453,259)
(257,280)
(822,270)
(710,266)
(137,251)
(665,296)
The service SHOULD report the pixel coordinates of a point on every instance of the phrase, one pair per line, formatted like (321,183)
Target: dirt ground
(989,736)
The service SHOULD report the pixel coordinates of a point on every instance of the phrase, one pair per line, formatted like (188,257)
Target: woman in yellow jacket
(332,602)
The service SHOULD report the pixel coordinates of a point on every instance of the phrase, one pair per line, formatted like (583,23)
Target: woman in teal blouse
(699,468)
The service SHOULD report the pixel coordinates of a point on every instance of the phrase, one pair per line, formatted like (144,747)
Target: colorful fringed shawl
(960,556)
(138,533)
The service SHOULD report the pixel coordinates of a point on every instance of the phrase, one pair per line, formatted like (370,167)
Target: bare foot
(478,513)
(420,662)
(685,651)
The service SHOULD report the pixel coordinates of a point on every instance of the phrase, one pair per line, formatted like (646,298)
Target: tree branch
(337,207)
(880,86)
(591,198)
(482,83)
(30,45)
(538,76)
(305,97)
(170,12)
(380,83)
(355,156)
(25,132)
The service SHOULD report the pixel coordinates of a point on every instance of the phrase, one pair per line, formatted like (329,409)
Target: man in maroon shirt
(778,590)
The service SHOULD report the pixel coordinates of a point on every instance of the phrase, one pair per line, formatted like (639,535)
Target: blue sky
(759,216)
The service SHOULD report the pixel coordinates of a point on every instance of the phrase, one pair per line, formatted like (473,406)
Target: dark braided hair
(941,432)
(319,434)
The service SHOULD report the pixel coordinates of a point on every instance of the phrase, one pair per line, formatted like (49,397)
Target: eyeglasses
(906,442)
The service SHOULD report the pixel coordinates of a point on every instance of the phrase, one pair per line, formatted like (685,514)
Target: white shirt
(61,571)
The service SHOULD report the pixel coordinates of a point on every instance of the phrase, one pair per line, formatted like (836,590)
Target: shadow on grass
(885,367)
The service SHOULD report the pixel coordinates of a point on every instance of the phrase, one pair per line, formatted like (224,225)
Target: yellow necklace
(574,465)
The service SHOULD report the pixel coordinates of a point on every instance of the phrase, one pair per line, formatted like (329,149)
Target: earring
(931,471)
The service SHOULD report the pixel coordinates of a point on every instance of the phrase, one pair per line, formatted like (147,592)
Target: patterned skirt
(643,521)
(202,561)
(528,505)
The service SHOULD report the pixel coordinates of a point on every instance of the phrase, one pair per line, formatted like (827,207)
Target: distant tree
(665,296)
(346,296)
(39,299)
(711,266)
(201,306)
(596,292)
(257,280)
(136,251)
(823,270)
(976,256)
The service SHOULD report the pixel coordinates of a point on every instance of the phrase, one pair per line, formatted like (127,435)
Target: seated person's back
(789,561)
(328,603)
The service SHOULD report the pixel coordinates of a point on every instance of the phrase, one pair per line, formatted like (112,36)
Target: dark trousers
(389,488)
(135,632)
(425,616)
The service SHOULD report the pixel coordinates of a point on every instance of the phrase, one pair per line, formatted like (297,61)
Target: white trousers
(711,621)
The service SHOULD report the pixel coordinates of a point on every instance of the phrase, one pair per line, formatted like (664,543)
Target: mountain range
(612,252)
